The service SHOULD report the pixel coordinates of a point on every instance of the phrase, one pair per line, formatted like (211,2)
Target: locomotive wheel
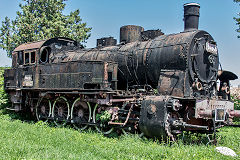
(80,113)
(60,111)
(101,127)
(43,109)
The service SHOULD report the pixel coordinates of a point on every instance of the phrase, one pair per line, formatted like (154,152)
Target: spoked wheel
(80,114)
(101,125)
(60,111)
(43,109)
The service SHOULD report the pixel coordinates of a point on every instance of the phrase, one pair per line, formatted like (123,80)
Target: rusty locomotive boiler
(152,84)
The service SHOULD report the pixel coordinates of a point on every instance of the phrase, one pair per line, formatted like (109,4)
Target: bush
(235,95)
(3,95)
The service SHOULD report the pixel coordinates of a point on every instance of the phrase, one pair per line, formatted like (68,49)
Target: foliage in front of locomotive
(203,63)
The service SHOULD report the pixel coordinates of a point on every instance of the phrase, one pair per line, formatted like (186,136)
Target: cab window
(26,58)
(20,57)
(29,57)
(33,57)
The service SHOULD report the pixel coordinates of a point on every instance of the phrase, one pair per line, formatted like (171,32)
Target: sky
(107,16)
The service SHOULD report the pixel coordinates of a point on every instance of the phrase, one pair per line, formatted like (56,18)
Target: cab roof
(39,44)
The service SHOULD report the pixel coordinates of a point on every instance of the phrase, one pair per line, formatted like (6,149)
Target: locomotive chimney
(191,16)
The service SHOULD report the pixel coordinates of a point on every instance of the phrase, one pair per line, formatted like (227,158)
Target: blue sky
(107,16)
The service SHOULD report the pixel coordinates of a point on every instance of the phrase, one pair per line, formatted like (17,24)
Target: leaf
(237,19)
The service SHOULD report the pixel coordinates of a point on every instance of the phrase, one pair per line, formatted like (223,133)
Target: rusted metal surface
(130,33)
(39,44)
(28,46)
(191,16)
(205,108)
(106,41)
(171,83)
(151,34)
(134,58)
(151,123)
(88,75)
(235,113)
(127,118)
(205,113)
(144,62)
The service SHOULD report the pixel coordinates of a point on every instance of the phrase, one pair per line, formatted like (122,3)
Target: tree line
(41,19)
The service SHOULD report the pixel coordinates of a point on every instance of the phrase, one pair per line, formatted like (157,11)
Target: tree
(41,19)
(237,19)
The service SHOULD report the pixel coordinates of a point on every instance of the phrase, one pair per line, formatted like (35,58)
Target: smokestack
(191,16)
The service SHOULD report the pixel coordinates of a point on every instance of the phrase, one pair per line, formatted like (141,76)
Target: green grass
(25,140)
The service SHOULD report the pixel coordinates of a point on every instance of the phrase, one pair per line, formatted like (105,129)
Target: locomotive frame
(152,84)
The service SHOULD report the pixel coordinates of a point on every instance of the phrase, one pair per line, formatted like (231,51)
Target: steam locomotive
(152,84)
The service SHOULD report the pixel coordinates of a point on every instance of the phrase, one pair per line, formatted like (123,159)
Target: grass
(28,140)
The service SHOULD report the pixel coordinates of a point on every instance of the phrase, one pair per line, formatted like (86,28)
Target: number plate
(220,114)
(211,48)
